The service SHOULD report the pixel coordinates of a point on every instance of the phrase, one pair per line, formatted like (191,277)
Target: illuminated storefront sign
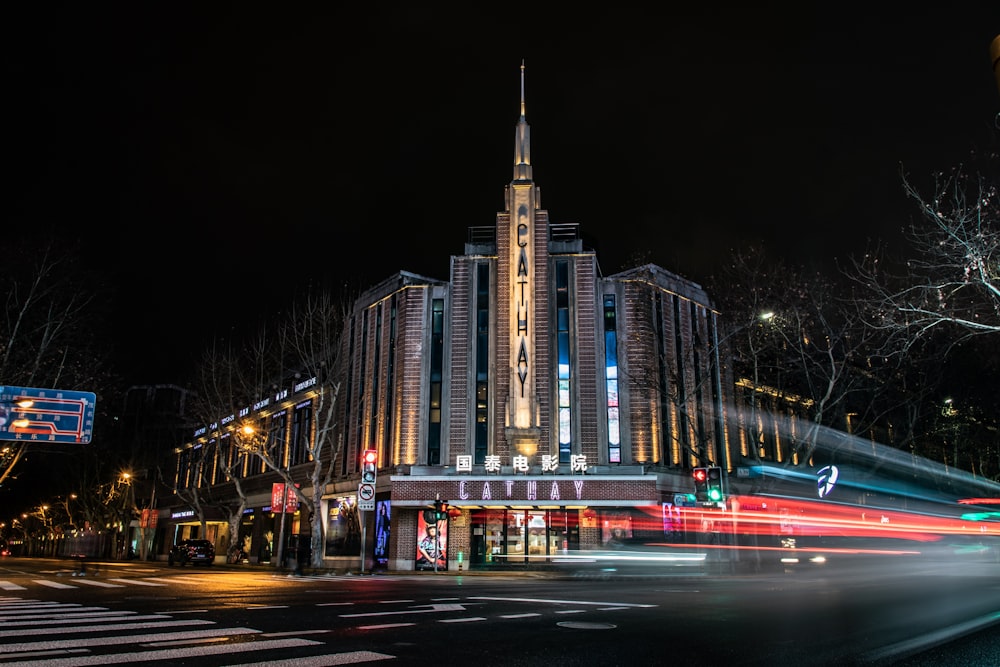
(521,463)
(516,490)
(521,490)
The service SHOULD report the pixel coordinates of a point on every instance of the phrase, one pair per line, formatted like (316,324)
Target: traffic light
(714,484)
(439,513)
(700,476)
(369,466)
(441,510)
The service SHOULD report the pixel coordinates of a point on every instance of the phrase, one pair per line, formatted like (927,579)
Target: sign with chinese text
(277,494)
(46,415)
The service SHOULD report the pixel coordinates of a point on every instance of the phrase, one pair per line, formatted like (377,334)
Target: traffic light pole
(363,518)
(437,531)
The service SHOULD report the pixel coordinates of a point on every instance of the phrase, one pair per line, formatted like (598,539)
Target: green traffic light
(714,494)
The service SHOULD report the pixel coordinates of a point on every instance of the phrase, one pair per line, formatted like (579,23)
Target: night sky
(217,158)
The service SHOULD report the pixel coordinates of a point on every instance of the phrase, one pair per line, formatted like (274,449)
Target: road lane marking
(11,586)
(555,601)
(331,660)
(384,626)
(255,607)
(434,608)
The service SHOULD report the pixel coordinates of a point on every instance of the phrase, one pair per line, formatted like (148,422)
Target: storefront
(521,536)
(187,525)
(523,521)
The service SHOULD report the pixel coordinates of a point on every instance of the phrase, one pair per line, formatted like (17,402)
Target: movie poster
(432,547)
(382,523)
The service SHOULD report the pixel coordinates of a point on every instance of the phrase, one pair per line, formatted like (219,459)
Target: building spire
(522,142)
(522,89)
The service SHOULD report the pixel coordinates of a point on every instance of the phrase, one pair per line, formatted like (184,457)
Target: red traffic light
(700,474)
(369,456)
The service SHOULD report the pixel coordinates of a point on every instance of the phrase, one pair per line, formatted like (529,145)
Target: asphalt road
(133,612)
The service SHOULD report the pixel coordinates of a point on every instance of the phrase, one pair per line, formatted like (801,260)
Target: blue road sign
(46,415)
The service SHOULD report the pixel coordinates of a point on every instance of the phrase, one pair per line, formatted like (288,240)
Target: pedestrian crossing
(96,581)
(61,580)
(51,634)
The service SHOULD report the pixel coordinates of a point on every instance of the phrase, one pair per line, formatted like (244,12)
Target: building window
(359,427)
(275,445)
(564,363)
(482,430)
(390,380)
(611,378)
(374,421)
(197,466)
(684,430)
(437,366)
(349,394)
(301,427)
(183,469)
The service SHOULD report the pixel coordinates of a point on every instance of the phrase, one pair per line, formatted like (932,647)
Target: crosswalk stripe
(52,584)
(123,639)
(139,582)
(329,660)
(35,609)
(65,617)
(179,580)
(82,619)
(80,629)
(100,584)
(11,586)
(169,654)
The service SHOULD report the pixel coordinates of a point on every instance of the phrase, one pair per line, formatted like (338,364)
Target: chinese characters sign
(291,502)
(520,463)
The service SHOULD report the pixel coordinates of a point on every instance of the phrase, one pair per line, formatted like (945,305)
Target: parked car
(192,551)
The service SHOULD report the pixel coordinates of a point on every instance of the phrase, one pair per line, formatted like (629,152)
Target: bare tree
(308,342)
(952,282)
(312,338)
(801,344)
(224,381)
(48,331)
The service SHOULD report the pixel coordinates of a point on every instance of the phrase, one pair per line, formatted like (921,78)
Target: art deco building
(551,407)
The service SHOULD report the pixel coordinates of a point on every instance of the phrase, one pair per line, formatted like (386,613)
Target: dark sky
(217,157)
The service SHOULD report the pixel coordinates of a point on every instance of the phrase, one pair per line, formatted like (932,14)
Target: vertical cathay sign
(522,272)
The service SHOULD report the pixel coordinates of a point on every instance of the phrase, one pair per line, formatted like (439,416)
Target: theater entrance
(508,537)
